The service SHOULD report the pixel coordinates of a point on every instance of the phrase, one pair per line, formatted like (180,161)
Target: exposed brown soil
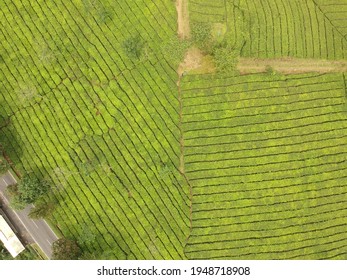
(191,61)
(183,19)
(291,65)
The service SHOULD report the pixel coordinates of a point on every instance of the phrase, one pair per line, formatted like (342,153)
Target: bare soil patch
(290,65)
(196,62)
(192,60)
(183,19)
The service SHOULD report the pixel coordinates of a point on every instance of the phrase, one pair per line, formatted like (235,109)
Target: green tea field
(188,129)
(267,161)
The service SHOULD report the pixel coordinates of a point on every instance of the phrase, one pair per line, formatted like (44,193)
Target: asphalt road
(38,230)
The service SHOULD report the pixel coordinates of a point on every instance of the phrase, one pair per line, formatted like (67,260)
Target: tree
(65,249)
(133,47)
(31,188)
(42,210)
(27,191)
(16,202)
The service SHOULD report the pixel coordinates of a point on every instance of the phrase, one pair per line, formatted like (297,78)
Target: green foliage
(17,203)
(201,35)
(226,59)
(28,254)
(175,49)
(86,87)
(28,190)
(42,210)
(4,254)
(65,249)
(4,166)
(87,237)
(265,153)
(12,190)
(31,188)
(133,47)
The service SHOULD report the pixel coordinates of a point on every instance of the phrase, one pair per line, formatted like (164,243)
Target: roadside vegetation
(65,249)
(28,254)
(4,166)
(27,191)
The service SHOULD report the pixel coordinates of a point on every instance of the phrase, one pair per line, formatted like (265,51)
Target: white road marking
(5,182)
(50,229)
(19,218)
(4,198)
(50,243)
(29,232)
(12,176)
(35,224)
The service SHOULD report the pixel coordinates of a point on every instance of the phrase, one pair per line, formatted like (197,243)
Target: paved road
(38,230)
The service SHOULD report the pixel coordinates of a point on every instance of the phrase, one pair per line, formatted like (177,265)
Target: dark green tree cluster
(65,249)
(225,56)
(42,209)
(133,47)
(28,191)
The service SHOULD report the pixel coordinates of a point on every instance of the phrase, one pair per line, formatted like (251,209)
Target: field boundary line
(345,85)
(290,65)
(181,159)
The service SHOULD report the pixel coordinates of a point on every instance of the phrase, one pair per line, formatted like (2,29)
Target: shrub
(226,59)
(201,35)
(65,249)
(175,49)
(133,47)
(31,188)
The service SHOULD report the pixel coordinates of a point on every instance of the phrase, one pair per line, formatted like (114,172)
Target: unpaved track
(183,19)
(291,65)
(188,63)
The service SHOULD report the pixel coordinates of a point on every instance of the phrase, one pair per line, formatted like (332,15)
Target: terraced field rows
(102,127)
(267,161)
(207,10)
(265,154)
(268,29)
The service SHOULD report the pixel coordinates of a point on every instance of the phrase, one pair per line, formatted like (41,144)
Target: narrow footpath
(183,32)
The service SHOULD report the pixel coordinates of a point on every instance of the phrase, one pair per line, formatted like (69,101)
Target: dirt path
(183,19)
(192,60)
(291,65)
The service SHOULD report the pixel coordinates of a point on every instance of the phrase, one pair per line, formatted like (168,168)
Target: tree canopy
(27,191)
(65,249)
(31,188)
(133,47)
